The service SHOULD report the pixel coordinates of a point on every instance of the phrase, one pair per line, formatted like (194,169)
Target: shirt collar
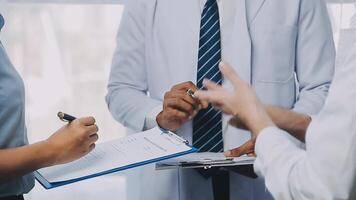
(202,3)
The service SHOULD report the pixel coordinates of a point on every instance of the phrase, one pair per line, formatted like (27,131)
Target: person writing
(17,158)
(326,168)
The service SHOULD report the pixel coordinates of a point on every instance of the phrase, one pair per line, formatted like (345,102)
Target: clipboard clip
(164,131)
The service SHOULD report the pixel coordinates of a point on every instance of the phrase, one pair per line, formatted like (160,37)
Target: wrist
(159,120)
(47,153)
(258,121)
(160,123)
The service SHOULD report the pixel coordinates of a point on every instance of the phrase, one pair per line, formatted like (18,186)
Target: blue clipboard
(49,185)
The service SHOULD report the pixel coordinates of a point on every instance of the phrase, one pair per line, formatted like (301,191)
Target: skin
(294,123)
(67,144)
(179,107)
(248,111)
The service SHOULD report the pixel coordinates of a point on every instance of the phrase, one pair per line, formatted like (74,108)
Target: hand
(242,102)
(179,107)
(237,123)
(248,148)
(72,141)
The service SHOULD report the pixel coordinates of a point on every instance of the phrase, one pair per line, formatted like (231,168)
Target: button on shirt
(12,120)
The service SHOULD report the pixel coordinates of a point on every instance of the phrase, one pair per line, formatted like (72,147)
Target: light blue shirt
(12,119)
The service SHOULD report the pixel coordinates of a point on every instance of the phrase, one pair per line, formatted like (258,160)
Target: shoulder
(139,5)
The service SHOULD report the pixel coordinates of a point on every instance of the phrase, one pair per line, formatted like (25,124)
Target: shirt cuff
(150,120)
(270,142)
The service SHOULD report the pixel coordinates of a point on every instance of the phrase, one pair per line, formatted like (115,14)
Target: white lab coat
(327,168)
(268,42)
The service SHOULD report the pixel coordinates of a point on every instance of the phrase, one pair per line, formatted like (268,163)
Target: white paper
(206,157)
(133,149)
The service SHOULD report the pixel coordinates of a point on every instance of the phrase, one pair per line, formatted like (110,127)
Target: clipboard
(204,160)
(102,160)
(210,161)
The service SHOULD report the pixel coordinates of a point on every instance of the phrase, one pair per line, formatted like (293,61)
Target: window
(342,16)
(64,53)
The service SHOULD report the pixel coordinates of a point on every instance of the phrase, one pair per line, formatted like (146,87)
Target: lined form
(123,152)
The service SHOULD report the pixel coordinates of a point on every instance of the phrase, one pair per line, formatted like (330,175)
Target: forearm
(294,123)
(19,161)
(134,112)
(258,119)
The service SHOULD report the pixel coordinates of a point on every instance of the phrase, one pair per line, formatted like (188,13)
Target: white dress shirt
(225,18)
(327,168)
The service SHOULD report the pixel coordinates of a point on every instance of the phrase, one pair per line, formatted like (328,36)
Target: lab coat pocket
(273,53)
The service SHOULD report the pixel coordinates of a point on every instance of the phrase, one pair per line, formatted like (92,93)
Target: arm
(287,170)
(327,168)
(127,97)
(67,144)
(315,57)
(292,122)
(23,160)
(286,167)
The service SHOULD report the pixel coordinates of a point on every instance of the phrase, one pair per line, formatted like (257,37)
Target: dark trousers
(12,198)
(221,185)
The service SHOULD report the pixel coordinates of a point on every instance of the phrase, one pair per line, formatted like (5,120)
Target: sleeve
(127,97)
(285,167)
(315,56)
(327,168)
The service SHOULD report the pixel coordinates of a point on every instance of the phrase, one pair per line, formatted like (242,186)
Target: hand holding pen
(179,106)
(72,141)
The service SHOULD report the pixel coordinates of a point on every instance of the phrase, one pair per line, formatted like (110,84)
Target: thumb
(242,150)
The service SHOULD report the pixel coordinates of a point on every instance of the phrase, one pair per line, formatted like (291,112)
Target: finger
(93,138)
(177,114)
(251,155)
(90,130)
(194,114)
(186,97)
(242,150)
(210,85)
(91,147)
(181,105)
(214,96)
(229,73)
(87,121)
(204,104)
(185,86)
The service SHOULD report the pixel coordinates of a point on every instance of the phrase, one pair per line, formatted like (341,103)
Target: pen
(65,117)
(191,93)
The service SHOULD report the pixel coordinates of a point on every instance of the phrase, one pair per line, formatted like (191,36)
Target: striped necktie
(2,22)
(207,125)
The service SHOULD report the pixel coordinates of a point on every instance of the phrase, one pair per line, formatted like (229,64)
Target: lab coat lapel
(187,69)
(253,7)
(237,47)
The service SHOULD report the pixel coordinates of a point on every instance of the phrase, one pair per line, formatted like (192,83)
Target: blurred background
(63,50)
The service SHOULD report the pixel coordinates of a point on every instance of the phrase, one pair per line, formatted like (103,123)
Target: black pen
(65,117)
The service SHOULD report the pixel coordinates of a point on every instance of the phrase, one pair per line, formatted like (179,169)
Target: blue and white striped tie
(207,125)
